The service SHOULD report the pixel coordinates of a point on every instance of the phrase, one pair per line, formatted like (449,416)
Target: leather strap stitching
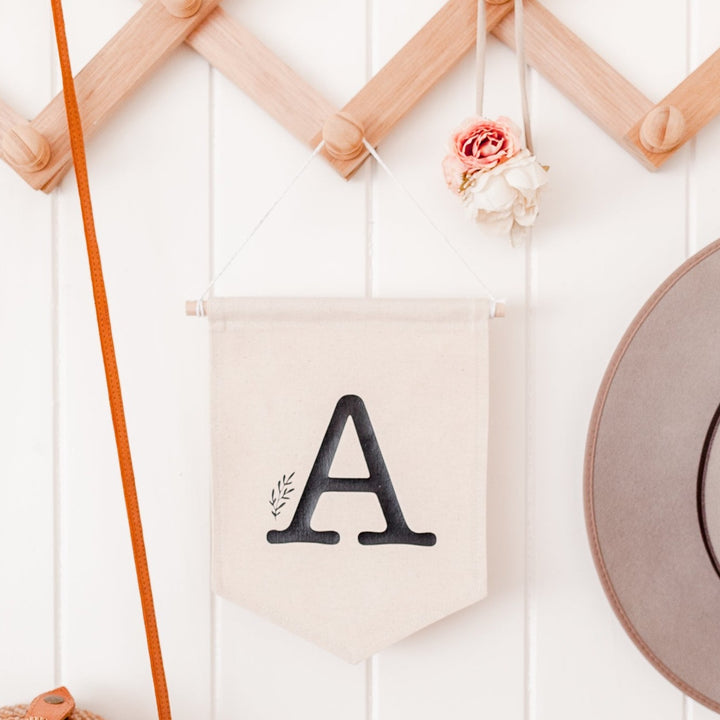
(77,144)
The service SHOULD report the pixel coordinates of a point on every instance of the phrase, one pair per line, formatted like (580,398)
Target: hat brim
(653,416)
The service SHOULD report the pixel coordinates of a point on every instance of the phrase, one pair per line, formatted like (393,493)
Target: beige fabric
(652,416)
(279,369)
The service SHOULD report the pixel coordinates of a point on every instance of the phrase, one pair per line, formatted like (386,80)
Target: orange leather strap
(53,705)
(77,144)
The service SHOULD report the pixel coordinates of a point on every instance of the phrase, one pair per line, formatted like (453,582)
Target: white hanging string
(199,305)
(480,45)
(200,308)
(522,70)
(493,300)
(519,233)
(480,53)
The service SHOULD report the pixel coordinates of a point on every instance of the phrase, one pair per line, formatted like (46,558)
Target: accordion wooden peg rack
(39,151)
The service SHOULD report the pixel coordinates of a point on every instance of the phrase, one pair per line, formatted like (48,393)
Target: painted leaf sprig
(281,494)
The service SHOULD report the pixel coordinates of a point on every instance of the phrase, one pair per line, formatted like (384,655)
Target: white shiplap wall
(179,175)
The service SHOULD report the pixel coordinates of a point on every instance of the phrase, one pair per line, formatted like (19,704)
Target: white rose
(505,199)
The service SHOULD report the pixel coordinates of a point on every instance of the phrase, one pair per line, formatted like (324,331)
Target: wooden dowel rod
(191,309)
(127,59)
(259,73)
(412,72)
(577,71)
(697,98)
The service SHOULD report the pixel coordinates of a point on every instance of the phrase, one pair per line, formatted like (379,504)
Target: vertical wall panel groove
(150,207)
(57,487)
(530,644)
(372,664)
(530,609)
(55,86)
(470,664)
(214,638)
(307,247)
(609,234)
(27,634)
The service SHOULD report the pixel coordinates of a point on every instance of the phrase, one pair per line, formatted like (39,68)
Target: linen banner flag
(349,444)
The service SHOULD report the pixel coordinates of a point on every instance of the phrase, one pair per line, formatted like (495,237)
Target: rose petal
(481,144)
(529,176)
(495,223)
(518,235)
(525,216)
(454,172)
(496,195)
(504,198)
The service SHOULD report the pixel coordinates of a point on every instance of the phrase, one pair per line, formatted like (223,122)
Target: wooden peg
(191,308)
(26,148)
(343,136)
(182,8)
(662,129)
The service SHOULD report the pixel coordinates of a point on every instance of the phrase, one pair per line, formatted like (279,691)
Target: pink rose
(481,144)
(454,172)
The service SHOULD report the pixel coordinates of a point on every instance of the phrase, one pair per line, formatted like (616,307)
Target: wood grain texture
(258,72)
(412,72)
(9,118)
(106,81)
(697,98)
(583,76)
(601,92)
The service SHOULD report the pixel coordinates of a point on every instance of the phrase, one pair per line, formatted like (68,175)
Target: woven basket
(17,712)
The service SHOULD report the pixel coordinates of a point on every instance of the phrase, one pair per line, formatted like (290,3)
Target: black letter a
(319,482)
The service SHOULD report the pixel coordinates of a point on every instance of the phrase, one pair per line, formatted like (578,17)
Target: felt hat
(652,479)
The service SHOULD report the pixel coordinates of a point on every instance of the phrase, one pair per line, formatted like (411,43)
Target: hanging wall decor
(652,479)
(349,444)
(490,164)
